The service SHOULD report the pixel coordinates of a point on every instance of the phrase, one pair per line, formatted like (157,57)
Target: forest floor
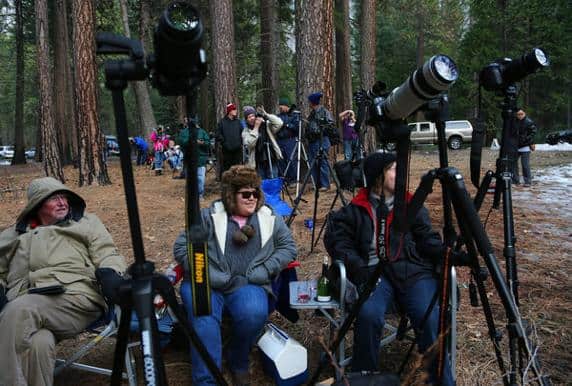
(543,228)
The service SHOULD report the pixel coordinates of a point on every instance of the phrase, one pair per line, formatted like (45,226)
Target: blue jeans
(350,148)
(248,309)
(313,148)
(141,156)
(414,301)
(201,173)
(525,161)
(159,160)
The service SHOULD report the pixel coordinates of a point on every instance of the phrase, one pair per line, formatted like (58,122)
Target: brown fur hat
(236,178)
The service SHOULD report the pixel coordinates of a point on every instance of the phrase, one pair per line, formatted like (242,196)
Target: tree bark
(51,154)
(367,68)
(268,50)
(224,62)
(19,151)
(92,164)
(64,114)
(343,62)
(314,52)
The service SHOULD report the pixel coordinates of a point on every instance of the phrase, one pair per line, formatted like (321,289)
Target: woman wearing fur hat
(248,245)
(408,260)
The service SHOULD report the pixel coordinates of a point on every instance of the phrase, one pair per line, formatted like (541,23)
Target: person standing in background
(229,138)
(526,132)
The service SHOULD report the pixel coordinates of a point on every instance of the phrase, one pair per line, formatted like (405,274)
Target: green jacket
(66,253)
(202,135)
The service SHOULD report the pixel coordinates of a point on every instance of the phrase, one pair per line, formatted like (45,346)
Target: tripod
(477,243)
(298,154)
(138,292)
(316,162)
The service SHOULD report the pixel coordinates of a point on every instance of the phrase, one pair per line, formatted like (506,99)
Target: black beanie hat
(374,164)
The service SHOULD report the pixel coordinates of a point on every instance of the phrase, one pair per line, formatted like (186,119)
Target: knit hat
(248,110)
(283,102)
(315,98)
(230,107)
(374,165)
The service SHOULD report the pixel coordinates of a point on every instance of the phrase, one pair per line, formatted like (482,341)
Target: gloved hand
(3,298)
(109,281)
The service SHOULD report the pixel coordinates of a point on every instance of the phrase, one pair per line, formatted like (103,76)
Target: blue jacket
(141,144)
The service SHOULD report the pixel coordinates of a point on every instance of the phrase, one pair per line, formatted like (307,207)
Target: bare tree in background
(268,50)
(144,109)
(51,154)
(19,154)
(92,165)
(367,67)
(63,85)
(314,51)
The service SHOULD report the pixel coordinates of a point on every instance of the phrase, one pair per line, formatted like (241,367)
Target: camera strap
(381,218)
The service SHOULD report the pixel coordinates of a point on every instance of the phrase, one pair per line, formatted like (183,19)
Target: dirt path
(544,251)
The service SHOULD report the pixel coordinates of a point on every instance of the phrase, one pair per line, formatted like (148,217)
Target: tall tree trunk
(64,114)
(19,151)
(52,163)
(367,68)
(314,52)
(224,63)
(268,49)
(92,163)
(343,62)
(145,111)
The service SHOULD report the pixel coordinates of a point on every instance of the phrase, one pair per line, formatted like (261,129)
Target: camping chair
(272,188)
(104,327)
(391,332)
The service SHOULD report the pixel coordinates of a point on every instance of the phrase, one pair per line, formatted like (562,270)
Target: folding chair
(104,327)
(391,332)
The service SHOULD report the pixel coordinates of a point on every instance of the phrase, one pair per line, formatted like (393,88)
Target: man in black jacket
(526,131)
(362,234)
(229,138)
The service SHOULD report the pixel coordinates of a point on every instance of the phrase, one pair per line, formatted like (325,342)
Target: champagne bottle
(324,283)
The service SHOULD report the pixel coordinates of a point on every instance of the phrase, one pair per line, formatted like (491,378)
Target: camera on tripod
(501,73)
(435,76)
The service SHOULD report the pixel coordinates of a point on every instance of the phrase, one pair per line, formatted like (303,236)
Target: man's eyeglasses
(249,193)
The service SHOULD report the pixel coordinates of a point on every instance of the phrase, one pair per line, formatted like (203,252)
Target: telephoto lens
(426,83)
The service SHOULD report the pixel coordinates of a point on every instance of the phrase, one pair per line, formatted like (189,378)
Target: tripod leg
(121,343)
(465,209)
(299,196)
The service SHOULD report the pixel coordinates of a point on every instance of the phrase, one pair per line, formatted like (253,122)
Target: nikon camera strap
(196,235)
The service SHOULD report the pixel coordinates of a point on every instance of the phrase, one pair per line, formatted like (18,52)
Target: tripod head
(179,62)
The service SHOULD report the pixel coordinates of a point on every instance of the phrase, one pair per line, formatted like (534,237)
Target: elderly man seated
(49,261)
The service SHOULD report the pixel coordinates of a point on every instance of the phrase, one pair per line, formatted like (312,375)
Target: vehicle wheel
(455,143)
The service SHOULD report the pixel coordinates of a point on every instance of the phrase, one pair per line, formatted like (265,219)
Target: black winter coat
(526,132)
(229,134)
(412,256)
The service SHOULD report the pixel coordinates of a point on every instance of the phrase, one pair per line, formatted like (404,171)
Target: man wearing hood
(50,263)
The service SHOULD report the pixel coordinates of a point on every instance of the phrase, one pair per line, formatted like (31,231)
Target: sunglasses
(251,193)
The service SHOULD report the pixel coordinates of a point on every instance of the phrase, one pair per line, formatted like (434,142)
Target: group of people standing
(267,142)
